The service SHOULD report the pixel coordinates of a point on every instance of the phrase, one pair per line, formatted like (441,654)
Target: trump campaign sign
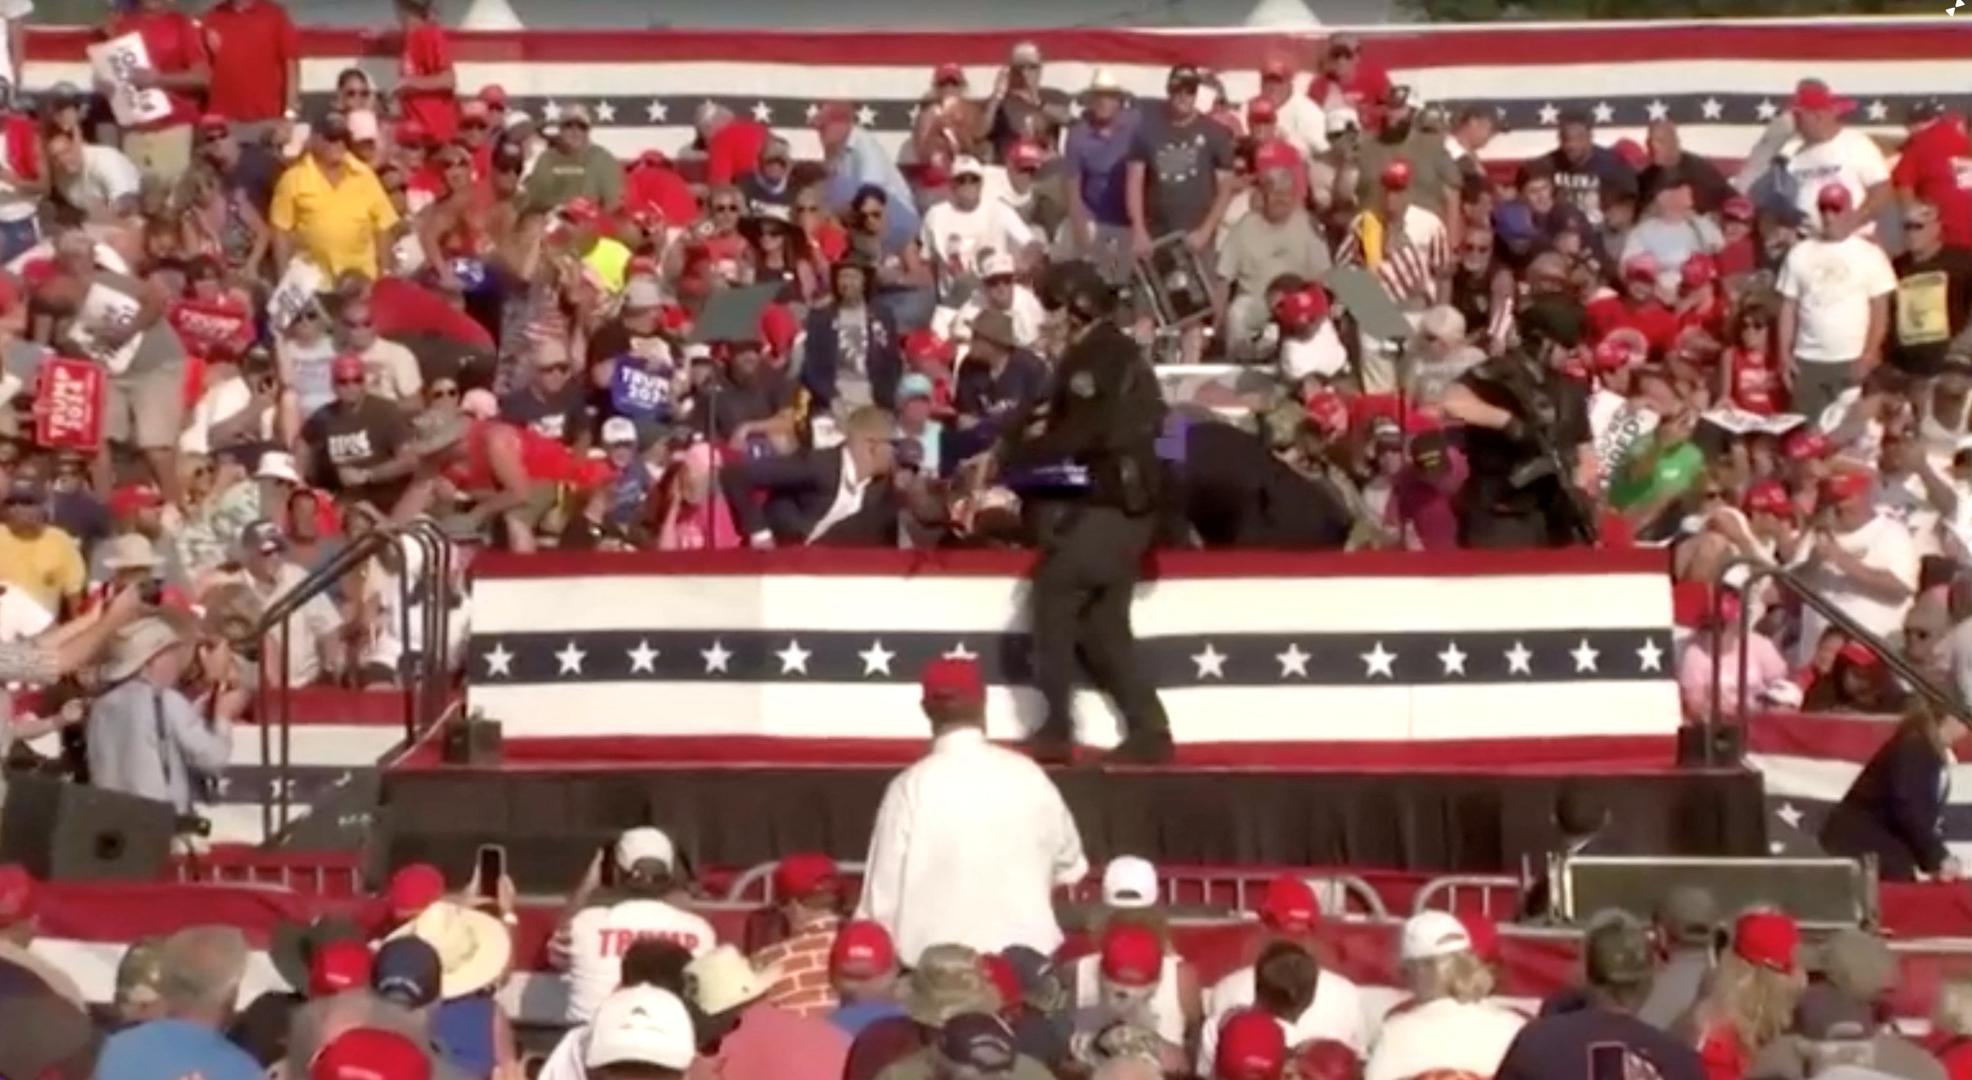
(68,405)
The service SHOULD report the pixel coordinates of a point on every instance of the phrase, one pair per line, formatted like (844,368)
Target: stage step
(338,743)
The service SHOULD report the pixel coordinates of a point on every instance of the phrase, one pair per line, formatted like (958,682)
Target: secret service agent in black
(1105,414)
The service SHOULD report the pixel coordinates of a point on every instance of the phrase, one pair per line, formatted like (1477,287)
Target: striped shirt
(800,967)
(1414,257)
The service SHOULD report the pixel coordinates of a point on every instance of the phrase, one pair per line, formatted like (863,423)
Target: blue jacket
(821,356)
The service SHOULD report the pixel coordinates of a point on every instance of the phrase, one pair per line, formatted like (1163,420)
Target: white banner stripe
(962,605)
(319,744)
(1828,779)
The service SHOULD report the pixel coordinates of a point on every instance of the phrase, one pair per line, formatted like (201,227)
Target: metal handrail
(424,686)
(1453,886)
(1758,572)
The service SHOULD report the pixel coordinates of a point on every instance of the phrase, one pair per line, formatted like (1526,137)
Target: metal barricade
(1494,890)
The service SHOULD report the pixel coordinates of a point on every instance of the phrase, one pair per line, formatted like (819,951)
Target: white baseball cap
(1432,934)
(967,166)
(363,126)
(1104,81)
(642,843)
(1129,882)
(278,465)
(641,1025)
(998,264)
(618,430)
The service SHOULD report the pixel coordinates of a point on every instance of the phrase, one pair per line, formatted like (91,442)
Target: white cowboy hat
(135,645)
(724,979)
(474,949)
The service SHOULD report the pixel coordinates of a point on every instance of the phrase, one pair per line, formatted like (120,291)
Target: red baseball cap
(473,109)
(953,680)
(1000,973)
(1025,154)
(1737,208)
(1847,484)
(1327,411)
(805,874)
(18,894)
(1300,308)
(947,73)
(580,211)
(862,950)
(1813,95)
(1855,652)
(127,499)
(338,966)
(1612,354)
(1290,906)
(1262,111)
(1132,955)
(1397,175)
(370,1054)
(1767,939)
(1804,443)
(1632,153)
(494,95)
(1640,268)
(1768,497)
(1327,1059)
(413,889)
(1698,271)
(1251,1047)
(214,120)
(1834,196)
(346,366)
(1278,67)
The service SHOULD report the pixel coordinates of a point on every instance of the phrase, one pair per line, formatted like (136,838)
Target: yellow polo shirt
(47,568)
(335,224)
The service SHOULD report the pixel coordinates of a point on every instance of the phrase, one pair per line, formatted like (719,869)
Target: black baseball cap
(980,1042)
(1553,320)
(407,971)
(1184,75)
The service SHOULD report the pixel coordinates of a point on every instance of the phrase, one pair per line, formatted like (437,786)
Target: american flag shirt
(1414,260)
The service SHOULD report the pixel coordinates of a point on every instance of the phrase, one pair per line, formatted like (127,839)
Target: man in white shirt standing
(959,233)
(1835,305)
(642,906)
(970,842)
(1828,153)
(1298,118)
(13,22)
(1861,560)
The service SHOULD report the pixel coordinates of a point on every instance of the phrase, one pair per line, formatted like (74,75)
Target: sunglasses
(444,392)
(455,163)
(357,324)
(1477,249)
(308,316)
(395,189)
(807,209)
(472,122)
(356,92)
(358,381)
(553,369)
(725,208)
(967,180)
(575,125)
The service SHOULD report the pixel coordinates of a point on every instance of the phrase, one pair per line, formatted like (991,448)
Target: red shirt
(176,46)
(660,187)
(426,52)
(1936,163)
(734,151)
(1657,323)
(1364,92)
(401,308)
(252,44)
(1755,379)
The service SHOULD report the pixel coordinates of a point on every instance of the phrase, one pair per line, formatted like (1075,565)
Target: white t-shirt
(1443,1034)
(599,936)
(955,239)
(107,175)
(1883,543)
(1166,1011)
(1616,425)
(968,848)
(1300,121)
(1832,284)
(219,403)
(1027,314)
(1851,159)
(1338,1013)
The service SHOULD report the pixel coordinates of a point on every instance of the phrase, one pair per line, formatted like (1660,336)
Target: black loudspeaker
(1822,893)
(1725,744)
(70,832)
(472,741)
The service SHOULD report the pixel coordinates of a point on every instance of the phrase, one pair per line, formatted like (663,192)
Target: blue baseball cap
(407,971)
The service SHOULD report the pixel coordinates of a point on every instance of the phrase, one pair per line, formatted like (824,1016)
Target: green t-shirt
(1674,473)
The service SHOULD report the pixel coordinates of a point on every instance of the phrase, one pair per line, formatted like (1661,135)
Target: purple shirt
(1099,159)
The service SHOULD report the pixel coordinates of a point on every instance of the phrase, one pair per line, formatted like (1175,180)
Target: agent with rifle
(1101,424)
(1527,438)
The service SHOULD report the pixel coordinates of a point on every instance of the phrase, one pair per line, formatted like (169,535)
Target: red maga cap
(1834,196)
(346,366)
(804,874)
(338,966)
(1132,955)
(952,680)
(1767,939)
(370,1054)
(1847,484)
(1252,1046)
(862,950)
(1397,175)
(1290,906)
(1813,95)
(413,889)
(1768,497)
(1262,111)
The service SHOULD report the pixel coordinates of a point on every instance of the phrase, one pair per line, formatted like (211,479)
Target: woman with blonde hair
(1448,1024)
(1951,1029)
(1754,990)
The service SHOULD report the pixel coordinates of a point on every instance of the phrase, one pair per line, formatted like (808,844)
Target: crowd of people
(236,337)
(947,961)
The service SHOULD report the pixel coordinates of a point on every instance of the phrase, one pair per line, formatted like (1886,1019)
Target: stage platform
(552,817)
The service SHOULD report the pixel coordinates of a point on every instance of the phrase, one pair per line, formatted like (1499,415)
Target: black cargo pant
(1091,557)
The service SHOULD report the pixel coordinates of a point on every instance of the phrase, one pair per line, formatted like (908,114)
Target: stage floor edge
(553,820)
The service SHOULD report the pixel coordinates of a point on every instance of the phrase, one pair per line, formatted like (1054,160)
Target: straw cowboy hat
(724,979)
(135,645)
(474,948)
(130,551)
